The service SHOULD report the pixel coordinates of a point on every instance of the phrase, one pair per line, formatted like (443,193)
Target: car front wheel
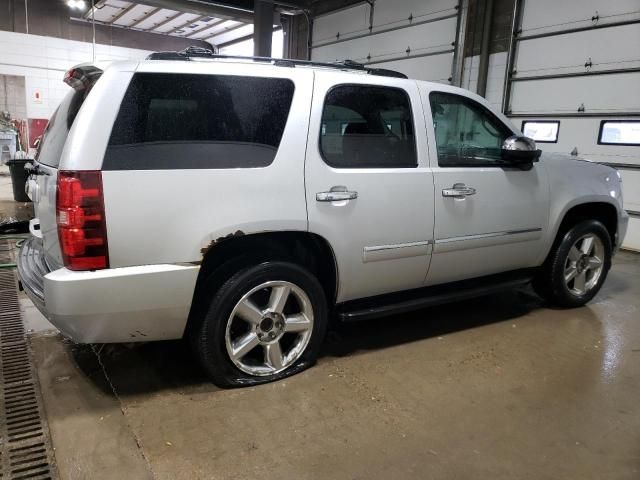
(577,268)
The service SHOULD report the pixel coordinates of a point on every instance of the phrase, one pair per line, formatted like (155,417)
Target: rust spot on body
(237,233)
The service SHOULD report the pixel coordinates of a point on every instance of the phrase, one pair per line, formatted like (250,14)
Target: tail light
(81,221)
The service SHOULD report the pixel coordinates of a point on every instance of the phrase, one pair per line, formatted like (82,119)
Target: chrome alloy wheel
(269,328)
(584,264)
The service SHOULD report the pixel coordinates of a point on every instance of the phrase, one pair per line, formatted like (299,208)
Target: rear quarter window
(55,135)
(186,121)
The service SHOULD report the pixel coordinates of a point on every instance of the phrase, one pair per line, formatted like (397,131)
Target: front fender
(575,182)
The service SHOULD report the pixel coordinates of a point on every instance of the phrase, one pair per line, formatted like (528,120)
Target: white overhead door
(415,37)
(575,83)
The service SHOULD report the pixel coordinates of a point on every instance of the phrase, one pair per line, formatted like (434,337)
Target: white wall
(495,76)
(12,96)
(43,62)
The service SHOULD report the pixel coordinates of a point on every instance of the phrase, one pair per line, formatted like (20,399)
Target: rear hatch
(43,181)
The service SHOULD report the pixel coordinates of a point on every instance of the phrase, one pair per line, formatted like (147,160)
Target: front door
(369,188)
(489,216)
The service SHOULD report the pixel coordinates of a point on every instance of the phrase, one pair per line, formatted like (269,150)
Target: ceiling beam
(186,24)
(96,6)
(206,27)
(231,29)
(170,18)
(144,17)
(240,39)
(123,12)
(205,8)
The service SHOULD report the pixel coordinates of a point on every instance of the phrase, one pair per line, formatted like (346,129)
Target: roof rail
(199,52)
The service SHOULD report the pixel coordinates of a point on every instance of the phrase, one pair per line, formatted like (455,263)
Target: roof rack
(199,52)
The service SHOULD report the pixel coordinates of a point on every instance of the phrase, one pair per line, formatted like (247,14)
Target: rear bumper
(130,304)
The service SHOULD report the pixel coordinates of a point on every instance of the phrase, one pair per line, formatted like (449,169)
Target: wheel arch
(601,210)
(225,255)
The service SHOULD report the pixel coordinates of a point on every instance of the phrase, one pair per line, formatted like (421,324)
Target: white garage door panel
(613,47)
(426,38)
(389,12)
(434,69)
(582,133)
(632,239)
(543,13)
(608,48)
(617,93)
(350,21)
(631,186)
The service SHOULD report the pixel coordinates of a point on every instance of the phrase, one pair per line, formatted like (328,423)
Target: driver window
(366,126)
(467,134)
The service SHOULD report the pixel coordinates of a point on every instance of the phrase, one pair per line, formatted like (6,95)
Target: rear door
(369,187)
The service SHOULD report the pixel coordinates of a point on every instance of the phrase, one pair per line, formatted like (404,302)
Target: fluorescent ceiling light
(77,4)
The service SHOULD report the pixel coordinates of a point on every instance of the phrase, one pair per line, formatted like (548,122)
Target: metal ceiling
(216,30)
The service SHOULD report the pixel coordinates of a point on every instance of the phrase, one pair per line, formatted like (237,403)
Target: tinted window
(55,135)
(367,127)
(181,121)
(467,134)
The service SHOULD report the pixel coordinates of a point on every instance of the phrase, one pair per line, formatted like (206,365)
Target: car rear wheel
(577,268)
(264,323)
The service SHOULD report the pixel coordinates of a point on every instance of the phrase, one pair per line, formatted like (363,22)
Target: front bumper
(129,304)
(623,224)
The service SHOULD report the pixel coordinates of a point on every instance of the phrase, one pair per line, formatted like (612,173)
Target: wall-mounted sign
(37,96)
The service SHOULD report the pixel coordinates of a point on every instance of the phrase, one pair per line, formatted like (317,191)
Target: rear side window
(55,135)
(184,121)
(367,127)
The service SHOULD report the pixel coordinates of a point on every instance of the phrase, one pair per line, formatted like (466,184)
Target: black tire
(550,282)
(208,336)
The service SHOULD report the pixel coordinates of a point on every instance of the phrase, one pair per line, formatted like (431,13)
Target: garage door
(575,84)
(414,37)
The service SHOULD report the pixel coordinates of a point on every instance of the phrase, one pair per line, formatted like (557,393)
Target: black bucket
(19,178)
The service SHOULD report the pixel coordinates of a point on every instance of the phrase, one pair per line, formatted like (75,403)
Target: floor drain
(25,446)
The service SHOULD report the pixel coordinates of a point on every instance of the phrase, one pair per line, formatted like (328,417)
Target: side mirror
(520,151)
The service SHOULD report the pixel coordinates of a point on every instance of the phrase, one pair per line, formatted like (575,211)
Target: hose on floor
(20,240)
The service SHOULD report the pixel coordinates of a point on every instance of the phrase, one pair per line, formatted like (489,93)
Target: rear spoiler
(82,76)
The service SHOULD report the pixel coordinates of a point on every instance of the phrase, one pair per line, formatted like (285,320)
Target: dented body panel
(134,304)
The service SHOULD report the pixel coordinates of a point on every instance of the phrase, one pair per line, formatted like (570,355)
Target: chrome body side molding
(487,239)
(378,253)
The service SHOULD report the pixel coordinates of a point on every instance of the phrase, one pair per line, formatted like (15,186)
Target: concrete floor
(499,387)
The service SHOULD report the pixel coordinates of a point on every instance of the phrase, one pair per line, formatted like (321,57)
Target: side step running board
(384,305)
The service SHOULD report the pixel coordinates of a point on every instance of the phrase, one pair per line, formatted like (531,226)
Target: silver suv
(242,203)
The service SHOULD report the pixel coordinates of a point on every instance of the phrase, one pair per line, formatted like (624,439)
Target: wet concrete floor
(499,387)
(10,210)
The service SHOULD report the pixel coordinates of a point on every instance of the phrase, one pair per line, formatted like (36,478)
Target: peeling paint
(237,233)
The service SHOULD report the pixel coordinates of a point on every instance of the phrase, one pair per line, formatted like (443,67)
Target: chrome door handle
(459,190)
(336,194)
